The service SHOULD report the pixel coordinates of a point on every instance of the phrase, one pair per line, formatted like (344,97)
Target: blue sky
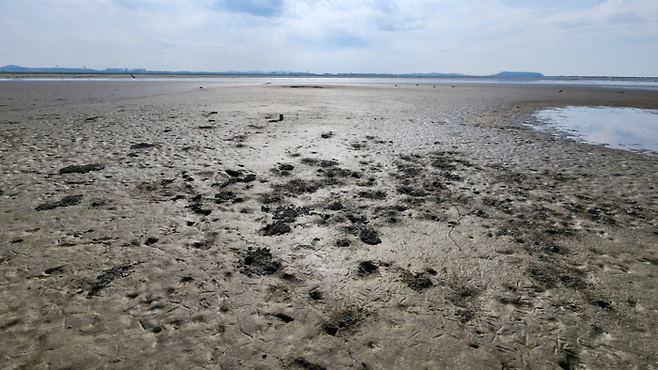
(558,37)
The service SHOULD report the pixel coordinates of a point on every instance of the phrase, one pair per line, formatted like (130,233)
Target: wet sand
(319,226)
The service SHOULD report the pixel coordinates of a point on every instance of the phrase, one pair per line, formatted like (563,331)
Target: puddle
(620,128)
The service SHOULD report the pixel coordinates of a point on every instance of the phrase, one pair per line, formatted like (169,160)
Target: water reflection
(620,128)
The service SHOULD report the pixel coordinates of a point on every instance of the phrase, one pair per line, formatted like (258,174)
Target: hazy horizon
(472,37)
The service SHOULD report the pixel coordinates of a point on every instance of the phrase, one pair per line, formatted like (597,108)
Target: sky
(475,37)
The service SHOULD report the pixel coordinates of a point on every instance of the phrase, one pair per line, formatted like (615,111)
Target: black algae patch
(70,200)
(107,276)
(369,236)
(418,282)
(259,262)
(85,168)
(276,228)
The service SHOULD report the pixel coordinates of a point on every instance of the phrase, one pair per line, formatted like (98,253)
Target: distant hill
(518,74)
(18,69)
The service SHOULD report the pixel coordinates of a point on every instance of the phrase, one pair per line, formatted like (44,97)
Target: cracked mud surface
(343,227)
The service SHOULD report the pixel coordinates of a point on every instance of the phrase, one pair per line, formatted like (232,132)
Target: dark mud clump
(259,262)
(85,168)
(343,320)
(276,228)
(67,201)
(107,276)
(418,281)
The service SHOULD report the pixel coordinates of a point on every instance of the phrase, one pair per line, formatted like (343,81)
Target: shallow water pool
(621,128)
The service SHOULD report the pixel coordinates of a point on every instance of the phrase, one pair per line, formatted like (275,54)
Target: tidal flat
(320,225)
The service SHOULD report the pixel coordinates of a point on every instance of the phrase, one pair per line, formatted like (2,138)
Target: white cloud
(469,36)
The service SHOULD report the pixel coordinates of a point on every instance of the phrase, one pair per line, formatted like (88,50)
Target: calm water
(620,128)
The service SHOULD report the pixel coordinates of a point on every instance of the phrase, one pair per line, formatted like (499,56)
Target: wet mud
(373,227)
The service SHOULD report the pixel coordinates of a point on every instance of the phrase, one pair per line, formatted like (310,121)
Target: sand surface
(160,225)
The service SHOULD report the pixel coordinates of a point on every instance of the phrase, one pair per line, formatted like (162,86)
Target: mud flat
(226,225)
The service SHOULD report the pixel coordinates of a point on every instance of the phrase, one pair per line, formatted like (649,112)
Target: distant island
(19,69)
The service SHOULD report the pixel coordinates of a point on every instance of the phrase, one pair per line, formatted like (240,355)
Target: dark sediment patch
(411,191)
(551,276)
(343,243)
(334,206)
(67,201)
(369,236)
(276,228)
(345,320)
(298,187)
(367,268)
(142,146)
(197,207)
(450,176)
(374,195)
(418,281)
(224,196)
(286,167)
(289,213)
(269,198)
(107,276)
(85,168)
(316,294)
(319,162)
(285,318)
(304,363)
(259,262)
